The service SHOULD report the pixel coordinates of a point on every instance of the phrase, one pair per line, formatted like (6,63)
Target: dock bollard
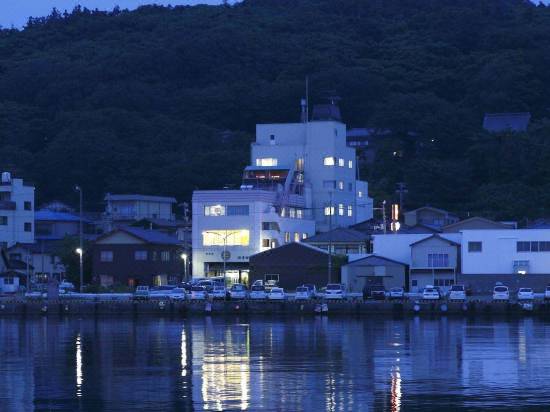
(208,307)
(44,309)
(162,305)
(443,307)
(416,307)
(324,308)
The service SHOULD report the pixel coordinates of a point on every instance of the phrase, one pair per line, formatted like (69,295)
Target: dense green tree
(164,100)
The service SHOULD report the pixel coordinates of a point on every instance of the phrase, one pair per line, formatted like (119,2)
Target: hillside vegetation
(165,100)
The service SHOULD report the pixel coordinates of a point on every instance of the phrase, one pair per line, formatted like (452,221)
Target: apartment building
(16,211)
(302,179)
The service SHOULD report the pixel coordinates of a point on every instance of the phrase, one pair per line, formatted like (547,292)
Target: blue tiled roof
(151,236)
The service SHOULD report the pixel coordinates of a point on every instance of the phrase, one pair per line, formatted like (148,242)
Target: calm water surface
(147,364)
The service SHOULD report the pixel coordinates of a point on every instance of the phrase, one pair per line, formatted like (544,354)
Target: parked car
(66,287)
(141,293)
(303,293)
(501,292)
(378,292)
(257,292)
(258,282)
(276,294)
(160,292)
(397,293)
(198,293)
(208,284)
(526,294)
(177,294)
(237,291)
(312,288)
(457,292)
(547,292)
(270,284)
(430,293)
(334,291)
(219,292)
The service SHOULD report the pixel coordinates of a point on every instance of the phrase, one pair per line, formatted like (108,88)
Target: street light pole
(81,250)
(184,257)
(330,211)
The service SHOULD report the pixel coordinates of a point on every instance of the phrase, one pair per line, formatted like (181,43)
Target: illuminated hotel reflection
(79,377)
(226,370)
(396,390)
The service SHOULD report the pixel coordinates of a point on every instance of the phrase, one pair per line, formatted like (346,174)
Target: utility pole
(402,191)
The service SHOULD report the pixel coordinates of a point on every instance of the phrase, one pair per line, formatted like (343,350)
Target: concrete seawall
(358,307)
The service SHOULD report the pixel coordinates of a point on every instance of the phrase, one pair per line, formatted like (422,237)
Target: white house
(136,207)
(302,179)
(16,211)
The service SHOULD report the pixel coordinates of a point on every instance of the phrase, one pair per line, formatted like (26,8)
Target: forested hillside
(165,100)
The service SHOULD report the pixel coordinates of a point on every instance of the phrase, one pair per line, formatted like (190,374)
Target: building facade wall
(358,275)
(19,225)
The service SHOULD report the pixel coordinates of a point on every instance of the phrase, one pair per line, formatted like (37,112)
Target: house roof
(46,247)
(542,223)
(148,236)
(501,122)
(296,253)
(436,236)
(166,223)
(376,259)
(474,219)
(418,228)
(16,264)
(109,196)
(46,215)
(339,235)
(435,209)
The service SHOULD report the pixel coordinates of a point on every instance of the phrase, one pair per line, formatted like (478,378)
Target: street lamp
(80,249)
(184,257)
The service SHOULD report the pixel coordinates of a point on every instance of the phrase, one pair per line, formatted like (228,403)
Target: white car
(177,294)
(526,294)
(334,291)
(430,293)
(547,292)
(457,292)
(257,292)
(219,292)
(501,292)
(303,293)
(198,293)
(397,293)
(237,291)
(276,294)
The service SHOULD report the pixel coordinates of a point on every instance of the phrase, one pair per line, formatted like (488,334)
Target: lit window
(106,256)
(165,256)
(296,237)
(304,235)
(214,210)
(229,237)
(350,164)
(266,161)
(329,161)
(359,194)
(299,213)
(341,162)
(341,209)
(340,185)
(350,210)
(292,212)
(287,237)
(329,210)
(300,164)
(283,212)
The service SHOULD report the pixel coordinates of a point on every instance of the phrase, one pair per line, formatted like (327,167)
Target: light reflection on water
(273,364)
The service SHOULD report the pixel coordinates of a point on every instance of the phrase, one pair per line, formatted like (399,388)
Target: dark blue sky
(16,12)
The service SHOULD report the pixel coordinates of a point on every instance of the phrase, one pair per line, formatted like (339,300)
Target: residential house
(302,179)
(429,216)
(16,211)
(44,263)
(434,261)
(53,225)
(293,265)
(506,122)
(476,222)
(133,256)
(374,270)
(9,279)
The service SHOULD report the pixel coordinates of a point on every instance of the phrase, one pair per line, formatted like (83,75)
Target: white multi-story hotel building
(302,179)
(16,211)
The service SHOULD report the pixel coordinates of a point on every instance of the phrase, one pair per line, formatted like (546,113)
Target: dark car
(376,292)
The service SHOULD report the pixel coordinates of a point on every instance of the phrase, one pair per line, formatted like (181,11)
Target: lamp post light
(184,257)
(80,252)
